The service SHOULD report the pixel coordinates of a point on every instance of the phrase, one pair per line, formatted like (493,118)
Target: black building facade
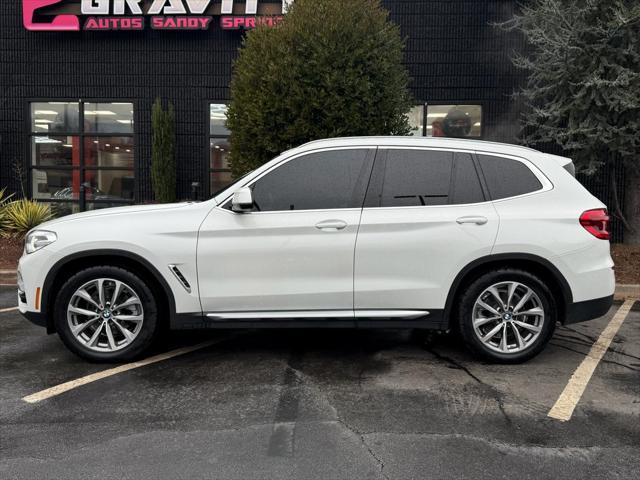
(75,105)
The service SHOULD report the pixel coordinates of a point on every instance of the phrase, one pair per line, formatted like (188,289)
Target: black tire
(473,291)
(145,337)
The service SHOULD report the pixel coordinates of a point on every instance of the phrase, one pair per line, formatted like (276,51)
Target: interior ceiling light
(46,140)
(45,112)
(42,120)
(436,115)
(125,121)
(99,112)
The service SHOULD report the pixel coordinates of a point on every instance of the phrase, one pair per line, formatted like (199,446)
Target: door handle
(331,225)
(476,220)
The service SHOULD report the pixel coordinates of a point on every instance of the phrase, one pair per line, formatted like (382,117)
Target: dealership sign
(75,15)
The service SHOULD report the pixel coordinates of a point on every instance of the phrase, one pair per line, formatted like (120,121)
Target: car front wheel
(507,316)
(106,314)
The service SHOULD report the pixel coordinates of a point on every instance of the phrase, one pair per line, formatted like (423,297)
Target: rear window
(506,177)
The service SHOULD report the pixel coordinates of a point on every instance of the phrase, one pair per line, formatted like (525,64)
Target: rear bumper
(588,310)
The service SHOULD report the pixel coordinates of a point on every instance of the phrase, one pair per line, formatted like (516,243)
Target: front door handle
(476,220)
(331,225)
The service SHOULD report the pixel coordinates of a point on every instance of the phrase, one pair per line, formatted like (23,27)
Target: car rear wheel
(507,316)
(106,314)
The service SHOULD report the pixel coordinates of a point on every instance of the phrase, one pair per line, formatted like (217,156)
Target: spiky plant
(22,215)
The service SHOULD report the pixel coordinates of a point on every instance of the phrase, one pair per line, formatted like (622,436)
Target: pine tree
(163,159)
(583,87)
(332,68)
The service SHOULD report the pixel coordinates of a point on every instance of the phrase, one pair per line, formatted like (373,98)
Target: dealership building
(78,79)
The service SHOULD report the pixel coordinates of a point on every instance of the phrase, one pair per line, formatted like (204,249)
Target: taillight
(596,222)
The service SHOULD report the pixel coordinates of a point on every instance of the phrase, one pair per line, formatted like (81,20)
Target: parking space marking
(70,385)
(570,396)
(12,309)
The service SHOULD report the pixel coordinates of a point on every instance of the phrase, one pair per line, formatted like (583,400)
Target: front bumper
(588,310)
(36,318)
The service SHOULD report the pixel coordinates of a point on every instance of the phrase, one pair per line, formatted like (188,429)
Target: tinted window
(466,184)
(507,178)
(416,177)
(319,181)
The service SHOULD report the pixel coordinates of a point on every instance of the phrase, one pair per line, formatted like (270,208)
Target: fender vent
(181,278)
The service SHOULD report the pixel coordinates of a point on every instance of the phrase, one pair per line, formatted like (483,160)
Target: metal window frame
(82,201)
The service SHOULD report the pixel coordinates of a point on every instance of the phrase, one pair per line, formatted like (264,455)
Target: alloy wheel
(508,317)
(105,315)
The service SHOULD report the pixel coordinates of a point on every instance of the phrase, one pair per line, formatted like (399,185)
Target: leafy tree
(333,68)
(163,158)
(583,87)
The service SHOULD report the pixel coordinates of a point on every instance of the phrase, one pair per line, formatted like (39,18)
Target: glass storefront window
(90,162)
(458,121)
(219,168)
(50,151)
(109,152)
(56,184)
(62,117)
(108,117)
(416,119)
(109,185)
(218,119)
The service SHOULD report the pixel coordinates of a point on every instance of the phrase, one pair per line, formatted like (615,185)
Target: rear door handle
(331,225)
(476,220)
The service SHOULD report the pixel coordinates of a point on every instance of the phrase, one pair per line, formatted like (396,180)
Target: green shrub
(21,216)
(332,68)
(163,158)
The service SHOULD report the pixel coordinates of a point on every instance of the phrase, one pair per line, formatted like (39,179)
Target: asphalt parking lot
(330,404)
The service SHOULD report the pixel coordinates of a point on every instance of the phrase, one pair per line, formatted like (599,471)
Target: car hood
(103,212)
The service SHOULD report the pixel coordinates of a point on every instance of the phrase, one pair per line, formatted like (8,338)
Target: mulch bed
(626,258)
(10,252)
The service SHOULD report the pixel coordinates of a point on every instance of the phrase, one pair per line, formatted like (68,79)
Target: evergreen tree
(163,158)
(333,68)
(583,87)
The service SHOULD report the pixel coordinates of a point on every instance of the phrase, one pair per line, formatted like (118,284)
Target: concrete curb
(624,292)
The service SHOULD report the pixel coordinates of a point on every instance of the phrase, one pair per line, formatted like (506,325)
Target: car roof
(434,142)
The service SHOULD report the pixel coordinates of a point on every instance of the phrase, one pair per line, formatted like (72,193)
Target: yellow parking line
(569,398)
(8,309)
(65,387)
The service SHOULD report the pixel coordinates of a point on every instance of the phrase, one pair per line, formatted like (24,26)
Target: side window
(466,184)
(416,178)
(506,177)
(318,181)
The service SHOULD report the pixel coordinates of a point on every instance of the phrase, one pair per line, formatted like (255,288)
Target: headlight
(38,239)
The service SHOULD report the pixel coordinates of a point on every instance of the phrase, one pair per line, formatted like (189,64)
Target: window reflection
(416,118)
(219,149)
(50,151)
(108,117)
(458,121)
(56,184)
(109,185)
(55,117)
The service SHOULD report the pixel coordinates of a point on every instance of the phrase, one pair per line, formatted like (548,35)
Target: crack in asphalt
(302,377)
(497,395)
(612,348)
(584,354)
(364,443)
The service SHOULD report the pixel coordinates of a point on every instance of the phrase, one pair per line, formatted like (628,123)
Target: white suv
(497,241)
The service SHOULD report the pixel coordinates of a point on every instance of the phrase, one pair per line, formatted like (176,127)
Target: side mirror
(242,200)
